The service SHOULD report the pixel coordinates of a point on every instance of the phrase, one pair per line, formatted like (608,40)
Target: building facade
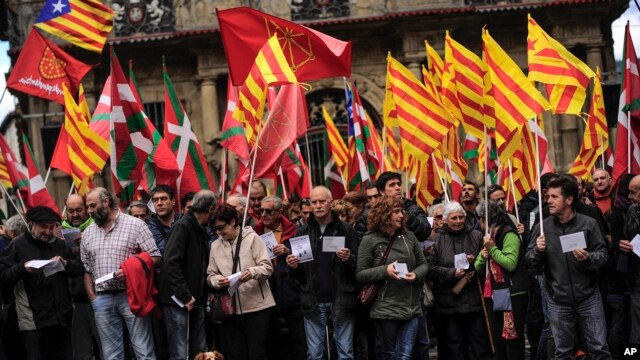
(186,33)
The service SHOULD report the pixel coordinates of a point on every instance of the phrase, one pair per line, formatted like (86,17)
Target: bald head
(634,189)
(76,210)
(601,181)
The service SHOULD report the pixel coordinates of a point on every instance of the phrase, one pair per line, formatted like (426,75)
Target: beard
(100,216)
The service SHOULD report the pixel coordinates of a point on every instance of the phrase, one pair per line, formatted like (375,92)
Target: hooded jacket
(141,291)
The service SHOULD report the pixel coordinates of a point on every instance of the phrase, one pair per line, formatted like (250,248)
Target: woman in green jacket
(396,310)
(506,285)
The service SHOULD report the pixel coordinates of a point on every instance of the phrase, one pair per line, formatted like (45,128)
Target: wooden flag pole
(444,186)
(64,209)
(603,151)
(14,205)
(628,142)
(24,207)
(384,148)
(487,148)
(513,191)
(309,165)
(223,177)
(46,177)
(406,184)
(284,188)
(539,186)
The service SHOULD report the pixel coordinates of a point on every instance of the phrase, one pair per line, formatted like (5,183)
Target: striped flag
(422,121)
(233,135)
(79,152)
(358,171)
(628,114)
(335,143)
(522,163)
(428,186)
(17,172)
(463,86)
(566,76)
(596,136)
(38,193)
(394,160)
(435,66)
(471,147)
(84,23)
(456,166)
(194,170)
(512,96)
(270,69)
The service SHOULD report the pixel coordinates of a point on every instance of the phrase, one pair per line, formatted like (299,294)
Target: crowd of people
(375,277)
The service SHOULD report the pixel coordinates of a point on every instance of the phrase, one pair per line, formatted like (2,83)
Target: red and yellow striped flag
(428,185)
(336,144)
(394,160)
(84,23)
(79,152)
(523,164)
(422,121)
(270,69)
(566,76)
(435,66)
(510,94)
(596,137)
(5,178)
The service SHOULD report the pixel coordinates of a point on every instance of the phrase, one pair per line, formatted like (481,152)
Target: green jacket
(396,300)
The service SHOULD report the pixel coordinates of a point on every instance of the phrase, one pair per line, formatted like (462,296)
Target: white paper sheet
(636,245)
(332,243)
(70,235)
(460,261)
(430,220)
(102,279)
(49,267)
(37,264)
(301,248)
(573,241)
(177,301)
(270,240)
(402,270)
(234,282)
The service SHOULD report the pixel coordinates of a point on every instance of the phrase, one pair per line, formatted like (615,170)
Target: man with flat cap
(43,298)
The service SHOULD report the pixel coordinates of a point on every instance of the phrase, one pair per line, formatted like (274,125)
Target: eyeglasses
(262,211)
(371,197)
(219,227)
(256,198)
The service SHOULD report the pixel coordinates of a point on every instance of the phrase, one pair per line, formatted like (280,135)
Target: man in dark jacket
(570,275)
(164,202)
(285,291)
(390,184)
(328,283)
(183,279)
(43,298)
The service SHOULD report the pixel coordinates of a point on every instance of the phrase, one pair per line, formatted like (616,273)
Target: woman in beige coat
(243,336)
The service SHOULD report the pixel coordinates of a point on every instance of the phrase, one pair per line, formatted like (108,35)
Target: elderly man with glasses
(272,219)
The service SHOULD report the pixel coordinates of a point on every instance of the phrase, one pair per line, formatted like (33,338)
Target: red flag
(39,194)
(42,68)
(311,54)
(288,120)
(17,172)
(233,131)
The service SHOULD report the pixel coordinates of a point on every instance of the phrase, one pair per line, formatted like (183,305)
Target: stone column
(570,142)
(594,57)
(210,121)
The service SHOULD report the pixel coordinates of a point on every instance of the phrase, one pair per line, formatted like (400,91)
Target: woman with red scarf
(506,282)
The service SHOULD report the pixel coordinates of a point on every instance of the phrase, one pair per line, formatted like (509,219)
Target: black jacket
(183,272)
(343,274)
(567,280)
(40,301)
(442,270)
(417,221)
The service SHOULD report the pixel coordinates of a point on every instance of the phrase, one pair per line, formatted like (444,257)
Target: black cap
(42,214)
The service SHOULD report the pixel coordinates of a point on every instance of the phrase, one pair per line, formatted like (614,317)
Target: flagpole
(406,184)
(64,209)
(251,173)
(628,142)
(284,188)
(539,185)
(487,148)
(384,148)
(47,176)
(603,151)
(14,204)
(24,207)
(223,177)
(444,187)
(513,190)
(309,165)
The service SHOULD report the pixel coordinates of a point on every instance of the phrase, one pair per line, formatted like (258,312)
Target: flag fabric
(456,166)
(311,54)
(288,120)
(463,86)
(628,114)
(510,94)
(138,151)
(84,23)
(333,171)
(270,69)
(133,84)
(566,76)
(18,174)
(358,172)
(296,173)
(39,195)
(5,178)
(194,170)
(471,147)
(42,68)
(370,136)
(522,163)
(435,66)
(79,152)
(233,135)
(394,159)
(422,121)
(335,143)
(428,185)
(102,113)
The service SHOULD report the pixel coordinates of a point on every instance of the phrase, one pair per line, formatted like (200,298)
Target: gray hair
(452,208)
(434,208)
(277,202)
(324,189)
(203,200)
(241,199)
(16,225)
(137,204)
(497,214)
(105,194)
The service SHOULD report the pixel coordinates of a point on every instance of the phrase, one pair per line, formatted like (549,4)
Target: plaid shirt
(103,252)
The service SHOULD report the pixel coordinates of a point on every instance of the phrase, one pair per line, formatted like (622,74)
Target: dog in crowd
(211,355)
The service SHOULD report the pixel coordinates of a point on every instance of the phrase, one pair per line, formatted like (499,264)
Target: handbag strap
(386,252)
(236,256)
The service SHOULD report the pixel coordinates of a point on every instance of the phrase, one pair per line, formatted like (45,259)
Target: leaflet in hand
(636,245)
(104,278)
(70,235)
(49,267)
(402,270)
(301,248)
(460,261)
(234,282)
(270,240)
(332,243)
(573,241)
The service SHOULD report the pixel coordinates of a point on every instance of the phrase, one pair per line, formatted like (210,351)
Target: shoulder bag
(369,291)
(223,305)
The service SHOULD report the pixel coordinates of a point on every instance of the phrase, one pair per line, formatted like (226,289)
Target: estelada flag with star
(311,54)
(42,68)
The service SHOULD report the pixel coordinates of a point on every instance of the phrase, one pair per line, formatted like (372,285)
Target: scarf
(82,227)
(508,326)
